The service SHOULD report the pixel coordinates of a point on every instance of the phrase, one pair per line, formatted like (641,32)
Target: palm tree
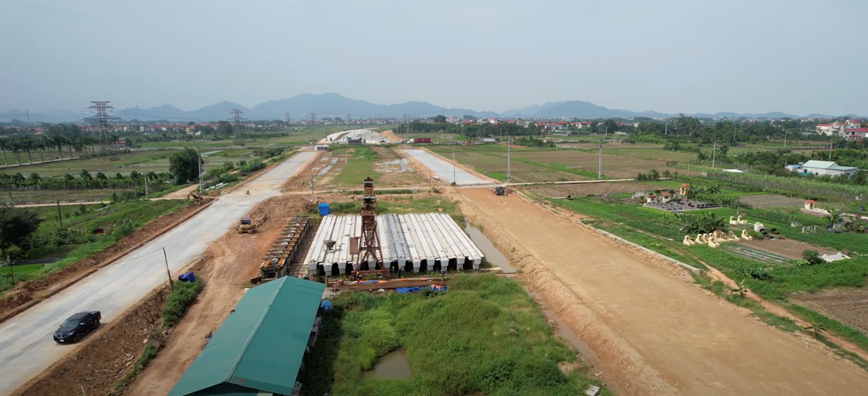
(816,327)
(42,143)
(741,289)
(15,146)
(27,144)
(58,140)
(833,218)
(3,147)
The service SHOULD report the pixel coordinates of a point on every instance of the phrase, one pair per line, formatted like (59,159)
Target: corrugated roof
(826,165)
(817,164)
(259,346)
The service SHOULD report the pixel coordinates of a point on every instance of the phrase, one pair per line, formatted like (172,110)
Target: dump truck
(419,140)
(246,225)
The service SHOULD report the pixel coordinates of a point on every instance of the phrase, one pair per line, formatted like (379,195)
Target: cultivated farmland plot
(619,167)
(531,165)
(770,200)
(578,190)
(847,305)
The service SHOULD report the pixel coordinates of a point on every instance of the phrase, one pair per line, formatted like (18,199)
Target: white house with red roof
(837,128)
(856,134)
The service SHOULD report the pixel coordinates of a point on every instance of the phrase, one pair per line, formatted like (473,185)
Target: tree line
(84,180)
(64,140)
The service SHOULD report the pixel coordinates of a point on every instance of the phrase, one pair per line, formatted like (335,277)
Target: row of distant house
(850,130)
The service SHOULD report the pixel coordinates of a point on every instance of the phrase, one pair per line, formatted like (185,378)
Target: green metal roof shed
(258,349)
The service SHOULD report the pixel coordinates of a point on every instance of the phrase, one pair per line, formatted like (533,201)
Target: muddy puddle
(392,366)
(492,256)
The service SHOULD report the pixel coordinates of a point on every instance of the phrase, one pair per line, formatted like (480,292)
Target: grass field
(484,335)
(531,165)
(75,241)
(141,161)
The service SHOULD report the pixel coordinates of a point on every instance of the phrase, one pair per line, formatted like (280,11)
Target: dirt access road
(26,348)
(235,260)
(654,332)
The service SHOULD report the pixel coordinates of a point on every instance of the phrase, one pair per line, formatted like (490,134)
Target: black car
(74,328)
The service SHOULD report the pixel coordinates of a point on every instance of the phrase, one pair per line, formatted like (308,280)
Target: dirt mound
(104,357)
(26,294)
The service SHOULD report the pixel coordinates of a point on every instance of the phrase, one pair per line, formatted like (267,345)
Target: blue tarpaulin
(367,282)
(325,305)
(402,290)
(323,209)
(187,277)
(438,289)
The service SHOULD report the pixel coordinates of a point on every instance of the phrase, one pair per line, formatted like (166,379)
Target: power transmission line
(287,117)
(102,118)
(236,115)
(312,117)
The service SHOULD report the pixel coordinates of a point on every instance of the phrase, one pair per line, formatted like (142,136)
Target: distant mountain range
(335,105)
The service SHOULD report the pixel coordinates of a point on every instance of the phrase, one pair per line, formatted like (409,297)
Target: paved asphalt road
(444,169)
(26,347)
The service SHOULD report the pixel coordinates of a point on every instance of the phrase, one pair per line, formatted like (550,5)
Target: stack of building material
(412,242)
(287,248)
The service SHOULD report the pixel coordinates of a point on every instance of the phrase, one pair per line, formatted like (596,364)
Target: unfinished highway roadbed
(26,346)
(654,331)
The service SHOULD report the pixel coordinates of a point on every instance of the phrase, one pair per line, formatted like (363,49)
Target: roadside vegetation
(484,334)
(85,230)
(177,303)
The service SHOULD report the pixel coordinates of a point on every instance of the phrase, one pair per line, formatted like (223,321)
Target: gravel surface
(444,169)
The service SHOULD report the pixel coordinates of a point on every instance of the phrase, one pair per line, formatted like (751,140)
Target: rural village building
(820,168)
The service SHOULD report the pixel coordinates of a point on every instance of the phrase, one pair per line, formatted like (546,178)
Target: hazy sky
(796,56)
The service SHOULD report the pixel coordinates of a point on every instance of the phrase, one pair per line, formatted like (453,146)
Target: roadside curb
(23,307)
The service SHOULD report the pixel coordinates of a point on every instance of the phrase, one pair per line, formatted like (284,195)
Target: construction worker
(248,192)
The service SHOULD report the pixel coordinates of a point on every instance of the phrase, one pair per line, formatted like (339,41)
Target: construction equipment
(285,254)
(246,226)
(500,190)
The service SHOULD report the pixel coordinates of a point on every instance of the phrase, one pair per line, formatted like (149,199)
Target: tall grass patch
(483,335)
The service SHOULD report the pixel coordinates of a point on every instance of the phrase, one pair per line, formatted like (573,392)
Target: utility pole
(11,271)
(831,141)
(287,118)
(785,136)
(312,117)
(713,152)
(600,162)
(348,118)
(146,186)
(59,215)
(508,159)
(199,167)
(102,119)
(236,116)
(454,180)
(169,273)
